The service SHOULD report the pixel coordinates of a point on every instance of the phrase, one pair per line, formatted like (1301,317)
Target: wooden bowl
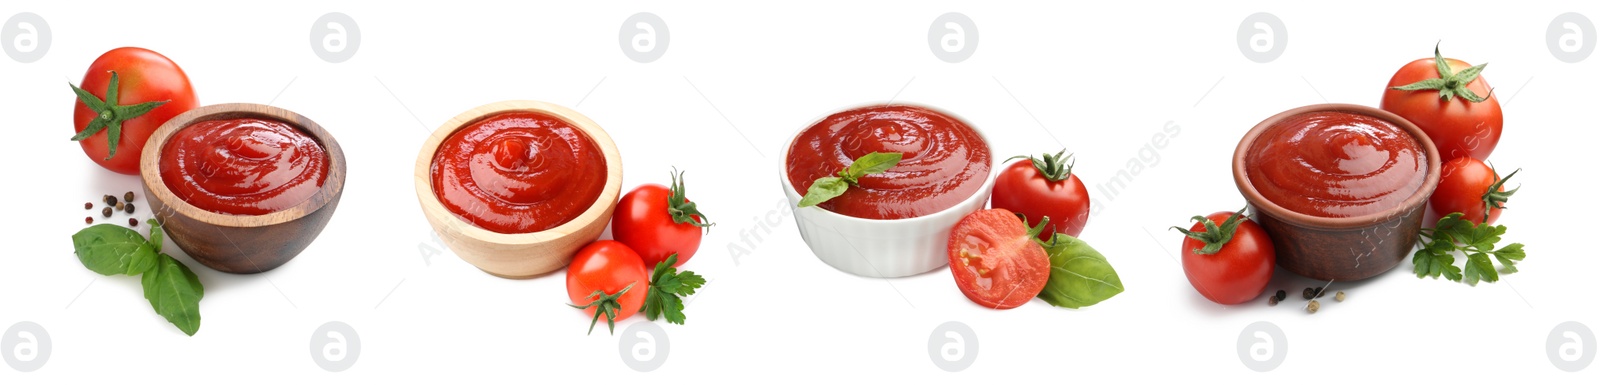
(1343,249)
(522,255)
(241,244)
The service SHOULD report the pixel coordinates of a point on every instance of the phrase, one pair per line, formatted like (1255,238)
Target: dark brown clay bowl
(241,244)
(1343,249)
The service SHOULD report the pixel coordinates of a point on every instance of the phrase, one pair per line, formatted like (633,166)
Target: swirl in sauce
(943,162)
(518,172)
(244,166)
(1336,164)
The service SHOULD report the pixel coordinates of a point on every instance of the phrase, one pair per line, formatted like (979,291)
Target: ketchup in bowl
(518,172)
(1336,164)
(245,166)
(944,161)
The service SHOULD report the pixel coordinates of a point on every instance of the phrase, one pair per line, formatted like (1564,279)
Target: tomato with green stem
(607,280)
(1472,188)
(1230,263)
(1451,102)
(995,260)
(1044,187)
(657,221)
(125,96)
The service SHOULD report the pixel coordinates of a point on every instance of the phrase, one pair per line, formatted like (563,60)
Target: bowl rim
(788,186)
(150,168)
(423,178)
(1417,198)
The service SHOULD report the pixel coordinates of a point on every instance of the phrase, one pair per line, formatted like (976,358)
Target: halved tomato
(995,260)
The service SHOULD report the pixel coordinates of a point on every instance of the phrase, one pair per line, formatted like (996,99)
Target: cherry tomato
(143,76)
(1229,263)
(1041,188)
(607,280)
(995,260)
(1464,186)
(1441,103)
(657,221)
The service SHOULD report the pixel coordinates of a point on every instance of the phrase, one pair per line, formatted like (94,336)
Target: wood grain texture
(242,244)
(518,255)
(1342,249)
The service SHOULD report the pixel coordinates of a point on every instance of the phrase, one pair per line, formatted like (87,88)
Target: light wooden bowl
(528,254)
(241,244)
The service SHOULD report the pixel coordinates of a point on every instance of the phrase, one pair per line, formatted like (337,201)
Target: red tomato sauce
(1336,164)
(518,172)
(943,162)
(243,166)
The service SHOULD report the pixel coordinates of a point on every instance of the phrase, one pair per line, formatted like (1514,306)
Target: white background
(1099,79)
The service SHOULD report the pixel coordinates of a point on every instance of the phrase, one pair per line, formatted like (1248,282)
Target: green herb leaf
(1479,268)
(110,249)
(667,289)
(822,190)
(174,291)
(1079,275)
(874,163)
(157,237)
(1454,234)
(1431,261)
(1509,256)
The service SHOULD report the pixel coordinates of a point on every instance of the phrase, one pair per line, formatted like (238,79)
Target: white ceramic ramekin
(882,247)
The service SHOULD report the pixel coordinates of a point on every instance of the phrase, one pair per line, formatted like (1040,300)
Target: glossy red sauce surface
(1336,164)
(244,166)
(518,172)
(943,162)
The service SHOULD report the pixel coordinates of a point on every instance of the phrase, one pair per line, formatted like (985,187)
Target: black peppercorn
(110,200)
(106,212)
(127,196)
(129,208)
(1282,295)
(1308,293)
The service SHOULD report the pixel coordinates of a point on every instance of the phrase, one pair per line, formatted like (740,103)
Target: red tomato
(1042,188)
(657,221)
(1459,127)
(995,261)
(1239,264)
(1464,186)
(143,76)
(607,280)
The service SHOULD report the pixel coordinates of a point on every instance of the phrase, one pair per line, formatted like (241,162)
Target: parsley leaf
(668,286)
(1477,242)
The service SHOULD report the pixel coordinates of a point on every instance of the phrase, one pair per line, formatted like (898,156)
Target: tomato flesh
(995,262)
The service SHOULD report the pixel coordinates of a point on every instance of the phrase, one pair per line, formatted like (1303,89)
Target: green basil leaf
(174,291)
(822,190)
(157,237)
(110,249)
(1079,275)
(874,163)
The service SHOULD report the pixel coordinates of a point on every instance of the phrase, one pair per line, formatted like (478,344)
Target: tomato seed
(1312,307)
